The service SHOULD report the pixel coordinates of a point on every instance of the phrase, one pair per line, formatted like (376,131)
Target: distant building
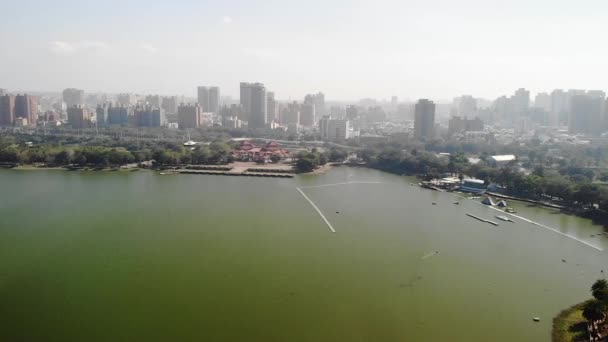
(586,114)
(466,106)
(318,102)
(118,115)
(232,122)
(459,125)
(214,100)
(290,114)
(26,106)
(190,116)
(272,107)
(170,104)
(154,101)
(126,99)
(424,119)
(3,92)
(73,97)
(253,100)
(543,101)
(501,160)
(101,115)
(7,110)
(79,117)
(335,130)
(352,112)
(307,115)
(147,116)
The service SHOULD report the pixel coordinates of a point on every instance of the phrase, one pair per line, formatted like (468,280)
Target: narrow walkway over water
(318,210)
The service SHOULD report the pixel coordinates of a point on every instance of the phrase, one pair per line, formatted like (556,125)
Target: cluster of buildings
(248,151)
(18,110)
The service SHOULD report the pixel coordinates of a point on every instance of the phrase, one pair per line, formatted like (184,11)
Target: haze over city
(411,49)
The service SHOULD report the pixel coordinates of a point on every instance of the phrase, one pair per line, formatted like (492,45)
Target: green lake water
(115,256)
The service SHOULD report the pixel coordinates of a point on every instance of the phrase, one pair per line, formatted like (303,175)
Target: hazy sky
(347,49)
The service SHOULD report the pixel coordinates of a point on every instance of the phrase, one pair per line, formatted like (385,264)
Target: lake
(138,256)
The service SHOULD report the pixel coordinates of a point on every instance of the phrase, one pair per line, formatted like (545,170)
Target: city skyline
(351,51)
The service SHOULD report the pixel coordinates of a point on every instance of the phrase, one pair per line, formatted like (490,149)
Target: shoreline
(564,321)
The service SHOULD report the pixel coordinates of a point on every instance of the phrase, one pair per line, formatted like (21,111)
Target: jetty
(482,219)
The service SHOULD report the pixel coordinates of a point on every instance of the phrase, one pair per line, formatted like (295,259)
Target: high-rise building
(189,116)
(153,100)
(254,103)
(2,92)
(7,110)
(118,115)
(272,108)
(543,101)
(318,101)
(424,119)
(308,115)
(335,129)
(147,116)
(586,114)
(467,106)
(214,100)
(101,115)
(26,107)
(559,107)
(79,117)
(290,114)
(203,97)
(170,105)
(126,99)
(352,112)
(520,101)
(73,97)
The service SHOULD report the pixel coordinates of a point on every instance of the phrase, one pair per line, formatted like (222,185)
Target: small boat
(456,203)
(434,203)
(536,319)
(492,223)
(504,218)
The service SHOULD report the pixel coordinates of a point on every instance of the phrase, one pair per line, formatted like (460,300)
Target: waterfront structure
(147,116)
(26,106)
(190,116)
(79,117)
(73,97)
(253,99)
(424,119)
(335,129)
(476,186)
(7,110)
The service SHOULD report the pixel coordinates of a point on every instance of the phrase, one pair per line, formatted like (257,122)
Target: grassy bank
(570,325)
